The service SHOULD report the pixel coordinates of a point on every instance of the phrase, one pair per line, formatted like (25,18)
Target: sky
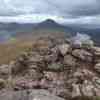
(80,12)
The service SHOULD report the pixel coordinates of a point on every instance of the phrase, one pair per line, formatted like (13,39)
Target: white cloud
(29,18)
(63,11)
(62,7)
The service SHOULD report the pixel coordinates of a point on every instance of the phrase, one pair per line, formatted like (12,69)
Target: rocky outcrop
(64,70)
(29,95)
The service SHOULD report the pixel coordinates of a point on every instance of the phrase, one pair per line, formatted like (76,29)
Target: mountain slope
(46,27)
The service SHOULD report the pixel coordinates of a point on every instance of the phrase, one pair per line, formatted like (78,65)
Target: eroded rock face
(61,69)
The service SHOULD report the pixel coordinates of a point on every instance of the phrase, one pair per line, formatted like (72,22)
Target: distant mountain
(51,24)
(48,24)
(28,28)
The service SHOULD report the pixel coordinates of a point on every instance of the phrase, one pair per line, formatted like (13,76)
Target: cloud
(62,7)
(85,12)
(29,18)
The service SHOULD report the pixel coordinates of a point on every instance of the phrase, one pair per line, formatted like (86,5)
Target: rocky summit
(52,69)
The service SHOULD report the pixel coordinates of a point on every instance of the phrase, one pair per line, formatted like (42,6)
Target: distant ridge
(53,25)
(17,29)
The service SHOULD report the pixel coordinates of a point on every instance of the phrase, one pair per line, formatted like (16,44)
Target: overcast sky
(85,12)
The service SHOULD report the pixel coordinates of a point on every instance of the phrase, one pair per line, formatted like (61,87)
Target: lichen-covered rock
(55,67)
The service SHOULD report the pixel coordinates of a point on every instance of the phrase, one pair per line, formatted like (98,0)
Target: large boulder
(83,55)
(76,91)
(4,71)
(86,89)
(20,64)
(69,60)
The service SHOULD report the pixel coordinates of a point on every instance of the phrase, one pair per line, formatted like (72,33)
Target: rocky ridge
(63,69)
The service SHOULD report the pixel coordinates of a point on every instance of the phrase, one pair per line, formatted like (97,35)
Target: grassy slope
(10,51)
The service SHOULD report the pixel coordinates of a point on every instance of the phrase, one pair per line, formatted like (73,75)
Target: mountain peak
(49,21)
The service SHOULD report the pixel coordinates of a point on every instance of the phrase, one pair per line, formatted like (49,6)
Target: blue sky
(84,12)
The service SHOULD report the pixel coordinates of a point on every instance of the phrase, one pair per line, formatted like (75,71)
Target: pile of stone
(61,68)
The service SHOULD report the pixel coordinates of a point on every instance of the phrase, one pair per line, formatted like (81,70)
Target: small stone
(96,51)
(4,71)
(2,83)
(97,67)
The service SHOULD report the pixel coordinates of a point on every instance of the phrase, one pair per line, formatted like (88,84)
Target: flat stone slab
(28,95)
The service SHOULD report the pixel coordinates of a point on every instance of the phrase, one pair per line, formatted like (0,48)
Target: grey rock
(2,83)
(88,89)
(96,51)
(83,55)
(29,95)
(63,48)
(69,60)
(4,71)
(76,91)
(97,67)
